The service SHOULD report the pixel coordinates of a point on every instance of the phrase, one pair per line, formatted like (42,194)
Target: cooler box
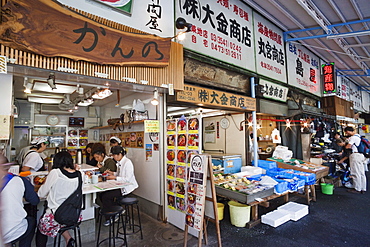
(232,163)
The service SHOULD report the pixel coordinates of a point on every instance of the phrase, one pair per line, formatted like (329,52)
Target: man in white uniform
(357,161)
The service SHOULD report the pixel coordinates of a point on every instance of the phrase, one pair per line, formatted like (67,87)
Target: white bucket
(239,213)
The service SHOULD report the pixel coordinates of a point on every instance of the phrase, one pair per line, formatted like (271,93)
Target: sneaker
(107,223)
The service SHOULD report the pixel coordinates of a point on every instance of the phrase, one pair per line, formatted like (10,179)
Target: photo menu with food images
(183,139)
(77,139)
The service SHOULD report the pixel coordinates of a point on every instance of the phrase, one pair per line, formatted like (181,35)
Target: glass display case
(55,135)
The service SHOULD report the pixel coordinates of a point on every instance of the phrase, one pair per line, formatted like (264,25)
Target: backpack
(364,147)
(68,213)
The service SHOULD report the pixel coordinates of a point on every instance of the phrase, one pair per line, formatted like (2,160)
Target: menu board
(182,141)
(77,139)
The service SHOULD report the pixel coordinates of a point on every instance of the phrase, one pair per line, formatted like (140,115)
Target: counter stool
(66,228)
(128,203)
(111,212)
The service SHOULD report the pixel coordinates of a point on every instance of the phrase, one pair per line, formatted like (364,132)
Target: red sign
(328,73)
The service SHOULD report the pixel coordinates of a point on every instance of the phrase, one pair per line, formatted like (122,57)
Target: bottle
(79,157)
(56,150)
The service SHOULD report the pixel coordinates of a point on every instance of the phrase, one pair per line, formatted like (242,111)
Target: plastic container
(239,213)
(327,189)
(266,164)
(220,210)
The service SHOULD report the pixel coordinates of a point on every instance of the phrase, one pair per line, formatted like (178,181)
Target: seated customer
(89,156)
(113,142)
(103,161)
(61,182)
(15,224)
(32,160)
(125,172)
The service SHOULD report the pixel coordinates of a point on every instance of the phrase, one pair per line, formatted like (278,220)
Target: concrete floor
(342,219)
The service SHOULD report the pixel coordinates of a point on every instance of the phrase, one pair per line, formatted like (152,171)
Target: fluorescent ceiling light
(102,94)
(348,35)
(62,88)
(43,100)
(85,103)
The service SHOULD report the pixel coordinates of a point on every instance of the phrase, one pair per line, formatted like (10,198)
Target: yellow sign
(210,97)
(151,126)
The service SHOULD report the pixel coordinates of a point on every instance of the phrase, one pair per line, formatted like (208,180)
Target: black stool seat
(66,228)
(111,212)
(128,201)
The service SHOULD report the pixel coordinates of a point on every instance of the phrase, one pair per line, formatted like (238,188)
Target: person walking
(356,161)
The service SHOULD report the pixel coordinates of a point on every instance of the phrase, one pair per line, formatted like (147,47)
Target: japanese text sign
(329,78)
(270,55)
(343,88)
(210,97)
(221,29)
(151,126)
(355,96)
(274,91)
(303,69)
(77,37)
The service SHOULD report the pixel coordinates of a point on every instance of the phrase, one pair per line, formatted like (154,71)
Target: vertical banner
(196,191)
(303,69)
(220,29)
(270,54)
(343,88)
(329,79)
(355,96)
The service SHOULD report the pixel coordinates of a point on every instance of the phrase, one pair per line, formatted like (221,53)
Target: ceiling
(292,15)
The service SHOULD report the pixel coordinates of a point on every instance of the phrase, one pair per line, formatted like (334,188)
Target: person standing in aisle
(15,225)
(356,161)
(32,160)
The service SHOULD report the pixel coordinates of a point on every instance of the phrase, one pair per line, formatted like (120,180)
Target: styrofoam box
(275,218)
(252,170)
(296,210)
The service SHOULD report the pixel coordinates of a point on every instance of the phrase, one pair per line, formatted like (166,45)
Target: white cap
(115,138)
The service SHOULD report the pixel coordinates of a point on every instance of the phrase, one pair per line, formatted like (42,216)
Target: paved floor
(342,219)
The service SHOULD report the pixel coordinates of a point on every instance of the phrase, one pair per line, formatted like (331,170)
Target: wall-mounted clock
(52,120)
(224,123)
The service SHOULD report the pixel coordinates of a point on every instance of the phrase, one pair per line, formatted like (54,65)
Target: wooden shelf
(124,124)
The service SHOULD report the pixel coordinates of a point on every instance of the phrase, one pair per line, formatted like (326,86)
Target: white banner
(343,88)
(270,54)
(274,91)
(151,16)
(221,29)
(303,69)
(355,96)
(365,101)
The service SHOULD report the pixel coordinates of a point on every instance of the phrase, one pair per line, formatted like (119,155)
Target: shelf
(124,124)
(51,135)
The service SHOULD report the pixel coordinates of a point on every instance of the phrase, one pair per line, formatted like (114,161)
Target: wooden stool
(128,203)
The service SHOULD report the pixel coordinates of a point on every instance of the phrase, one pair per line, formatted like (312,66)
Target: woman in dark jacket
(89,155)
(103,161)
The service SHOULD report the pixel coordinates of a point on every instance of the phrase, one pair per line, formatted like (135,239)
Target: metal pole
(254,121)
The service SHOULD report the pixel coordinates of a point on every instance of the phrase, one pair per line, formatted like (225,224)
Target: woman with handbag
(61,182)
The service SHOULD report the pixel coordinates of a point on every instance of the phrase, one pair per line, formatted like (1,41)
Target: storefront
(86,59)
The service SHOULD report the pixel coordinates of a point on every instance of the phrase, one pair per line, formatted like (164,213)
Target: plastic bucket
(239,213)
(327,189)
(220,210)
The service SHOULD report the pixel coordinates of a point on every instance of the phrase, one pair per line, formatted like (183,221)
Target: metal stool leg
(138,215)
(99,220)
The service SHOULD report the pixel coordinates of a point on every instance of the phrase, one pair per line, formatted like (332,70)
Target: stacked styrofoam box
(252,170)
(295,210)
(275,218)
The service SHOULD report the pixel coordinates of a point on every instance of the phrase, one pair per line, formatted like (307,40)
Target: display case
(56,135)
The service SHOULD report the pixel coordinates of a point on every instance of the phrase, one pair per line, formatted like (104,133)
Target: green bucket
(327,189)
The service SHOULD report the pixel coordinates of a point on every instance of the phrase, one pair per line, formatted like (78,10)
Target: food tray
(242,197)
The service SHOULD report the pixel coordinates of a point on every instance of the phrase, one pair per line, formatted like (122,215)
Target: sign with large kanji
(274,91)
(303,69)
(270,54)
(76,37)
(328,78)
(209,97)
(220,29)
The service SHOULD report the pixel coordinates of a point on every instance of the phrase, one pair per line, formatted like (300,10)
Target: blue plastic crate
(280,173)
(309,178)
(255,177)
(266,164)
(281,187)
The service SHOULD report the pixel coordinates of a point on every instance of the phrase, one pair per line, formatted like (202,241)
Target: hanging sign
(303,69)
(329,78)
(76,37)
(355,96)
(151,126)
(215,98)
(220,29)
(270,54)
(343,88)
(274,91)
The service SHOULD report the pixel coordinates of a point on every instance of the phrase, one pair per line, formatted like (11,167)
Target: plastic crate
(266,164)
(281,187)
(309,178)
(280,173)
(255,177)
